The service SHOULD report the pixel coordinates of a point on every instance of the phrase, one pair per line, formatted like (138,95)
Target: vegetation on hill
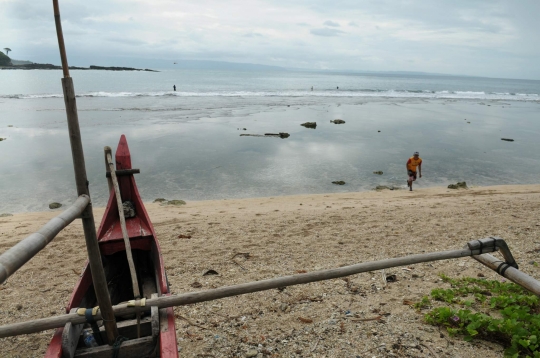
(4,60)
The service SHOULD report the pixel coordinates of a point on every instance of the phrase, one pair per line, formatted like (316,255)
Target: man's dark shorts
(411,174)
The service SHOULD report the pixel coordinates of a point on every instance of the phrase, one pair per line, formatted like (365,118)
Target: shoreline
(384,192)
(283,236)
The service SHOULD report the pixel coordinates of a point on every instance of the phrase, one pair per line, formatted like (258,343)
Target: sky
(492,38)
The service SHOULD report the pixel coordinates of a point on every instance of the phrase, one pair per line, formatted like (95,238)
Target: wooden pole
(236,290)
(108,150)
(131,264)
(89,227)
(510,272)
(22,252)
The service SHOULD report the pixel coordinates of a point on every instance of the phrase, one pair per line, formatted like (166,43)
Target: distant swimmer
(174,87)
(414,162)
(337,87)
(312,88)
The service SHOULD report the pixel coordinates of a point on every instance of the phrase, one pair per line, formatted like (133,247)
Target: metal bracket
(491,244)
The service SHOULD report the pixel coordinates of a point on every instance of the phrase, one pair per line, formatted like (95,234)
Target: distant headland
(48,66)
(7,63)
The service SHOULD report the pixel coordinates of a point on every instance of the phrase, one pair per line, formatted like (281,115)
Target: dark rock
(337,121)
(176,202)
(507,139)
(339,182)
(459,185)
(1,139)
(160,200)
(3,215)
(385,187)
(309,125)
(378,172)
(54,205)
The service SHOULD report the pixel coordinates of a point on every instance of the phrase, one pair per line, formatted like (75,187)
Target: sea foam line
(428,94)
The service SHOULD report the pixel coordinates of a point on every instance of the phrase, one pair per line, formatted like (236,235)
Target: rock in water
(507,139)
(459,185)
(309,125)
(54,205)
(378,172)
(339,182)
(176,202)
(160,200)
(3,215)
(384,187)
(337,121)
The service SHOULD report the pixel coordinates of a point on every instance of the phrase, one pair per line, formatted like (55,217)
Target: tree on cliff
(7,49)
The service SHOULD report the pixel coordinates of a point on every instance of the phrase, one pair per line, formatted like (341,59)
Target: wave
(427,94)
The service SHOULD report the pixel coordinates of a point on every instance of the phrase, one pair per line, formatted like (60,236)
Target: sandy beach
(287,235)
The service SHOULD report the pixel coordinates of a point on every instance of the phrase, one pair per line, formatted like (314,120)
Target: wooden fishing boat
(150,335)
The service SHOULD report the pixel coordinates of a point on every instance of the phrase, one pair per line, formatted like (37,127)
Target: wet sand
(288,235)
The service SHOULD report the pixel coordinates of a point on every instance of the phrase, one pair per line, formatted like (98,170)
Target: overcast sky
(470,37)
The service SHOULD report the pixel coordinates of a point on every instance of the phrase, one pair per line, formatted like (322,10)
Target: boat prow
(157,330)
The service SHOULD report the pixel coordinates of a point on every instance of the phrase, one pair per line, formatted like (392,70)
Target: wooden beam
(131,264)
(22,252)
(89,226)
(70,337)
(510,272)
(123,172)
(108,150)
(236,290)
(133,348)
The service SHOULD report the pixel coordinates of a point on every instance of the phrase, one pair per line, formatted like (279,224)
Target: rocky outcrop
(379,172)
(459,185)
(5,60)
(309,125)
(384,187)
(54,205)
(339,182)
(337,121)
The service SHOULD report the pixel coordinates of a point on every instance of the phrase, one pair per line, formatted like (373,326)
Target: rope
(116,346)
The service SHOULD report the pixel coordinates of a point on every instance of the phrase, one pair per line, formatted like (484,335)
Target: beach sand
(289,235)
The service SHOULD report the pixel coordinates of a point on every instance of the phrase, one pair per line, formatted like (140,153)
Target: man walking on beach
(414,162)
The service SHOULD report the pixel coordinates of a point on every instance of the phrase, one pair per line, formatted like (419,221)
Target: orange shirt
(412,163)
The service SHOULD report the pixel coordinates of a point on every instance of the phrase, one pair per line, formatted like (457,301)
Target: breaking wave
(427,94)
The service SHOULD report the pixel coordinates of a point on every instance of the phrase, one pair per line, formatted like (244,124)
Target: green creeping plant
(487,309)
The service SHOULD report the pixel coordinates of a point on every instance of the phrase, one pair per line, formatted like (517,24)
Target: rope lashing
(116,346)
(89,314)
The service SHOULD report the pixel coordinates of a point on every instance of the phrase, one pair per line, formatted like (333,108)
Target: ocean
(188,146)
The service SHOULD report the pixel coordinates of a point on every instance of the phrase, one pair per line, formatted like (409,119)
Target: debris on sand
(459,185)
(309,125)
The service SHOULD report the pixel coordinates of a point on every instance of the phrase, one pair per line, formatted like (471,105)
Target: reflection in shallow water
(191,149)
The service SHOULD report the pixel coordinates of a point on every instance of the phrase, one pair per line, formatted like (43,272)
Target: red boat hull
(142,237)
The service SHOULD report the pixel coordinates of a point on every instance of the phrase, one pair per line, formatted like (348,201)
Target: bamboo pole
(511,273)
(22,252)
(131,264)
(89,227)
(236,290)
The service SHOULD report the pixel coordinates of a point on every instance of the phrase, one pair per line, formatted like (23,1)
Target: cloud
(326,32)
(331,23)
(487,38)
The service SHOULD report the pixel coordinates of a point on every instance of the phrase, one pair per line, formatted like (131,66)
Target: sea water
(188,146)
